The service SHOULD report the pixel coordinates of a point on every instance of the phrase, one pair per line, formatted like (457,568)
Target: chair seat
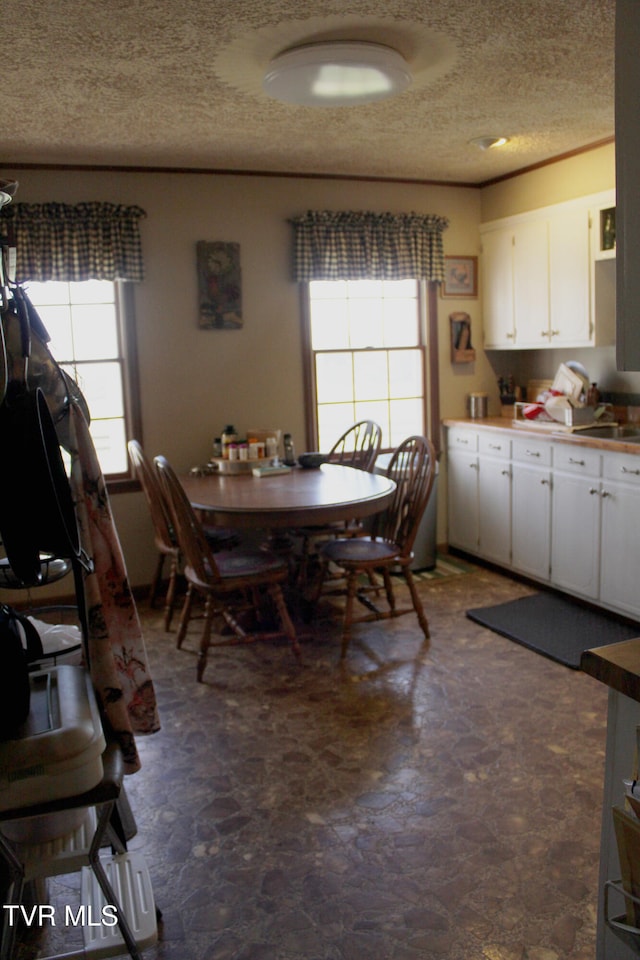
(360,550)
(248,563)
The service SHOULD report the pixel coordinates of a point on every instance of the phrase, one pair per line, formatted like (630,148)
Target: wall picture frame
(219,285)
(460,278)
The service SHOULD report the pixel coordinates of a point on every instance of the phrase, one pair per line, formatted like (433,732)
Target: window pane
(365,322)
(405,373)
(334,377)
(110,442)
(378,411)
(53,291)
(370,289)
(406,419)
(95,334)
(331,289)
(101,384)
(57,321)
(329,326)
(399,288)
(370,375)
(92,291)
(400,323)
(333,420)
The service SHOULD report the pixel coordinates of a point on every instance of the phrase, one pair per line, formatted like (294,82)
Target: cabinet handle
(545,333)
(555,333)
(577,463)
(636,473)
(509,336)
(604,494)
(474,466)
(506,473)
(532,453)
(594,490)
(495,446)
(461,440)
(545,481)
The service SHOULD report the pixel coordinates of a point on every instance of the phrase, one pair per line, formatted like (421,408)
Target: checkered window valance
(83,241)
(375,246)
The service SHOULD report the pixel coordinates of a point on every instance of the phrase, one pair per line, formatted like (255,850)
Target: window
(90,340)
(367,358)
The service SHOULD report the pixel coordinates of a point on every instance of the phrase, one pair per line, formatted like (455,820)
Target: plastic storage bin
(58,755)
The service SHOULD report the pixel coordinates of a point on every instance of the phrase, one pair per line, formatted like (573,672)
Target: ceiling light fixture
(336,74)
(486,143)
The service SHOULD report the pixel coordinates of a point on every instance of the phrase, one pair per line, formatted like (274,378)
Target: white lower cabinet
(560,513)
(494,497)
(620,534)
(531,507)
(575,525)
(462,488)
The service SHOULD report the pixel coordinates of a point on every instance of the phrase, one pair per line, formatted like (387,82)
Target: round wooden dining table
(299,498)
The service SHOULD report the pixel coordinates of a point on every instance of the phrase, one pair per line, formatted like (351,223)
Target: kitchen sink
(625,433)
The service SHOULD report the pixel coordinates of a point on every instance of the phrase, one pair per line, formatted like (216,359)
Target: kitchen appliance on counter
(478,405)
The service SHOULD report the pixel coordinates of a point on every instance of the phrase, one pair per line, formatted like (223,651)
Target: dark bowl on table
(311,461)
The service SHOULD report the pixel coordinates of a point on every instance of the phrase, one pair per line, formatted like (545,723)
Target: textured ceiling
(164,83)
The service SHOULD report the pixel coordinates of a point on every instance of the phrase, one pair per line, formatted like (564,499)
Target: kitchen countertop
(617,665)
(577,439)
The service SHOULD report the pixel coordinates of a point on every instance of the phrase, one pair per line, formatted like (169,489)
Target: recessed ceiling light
(486,143)
(341,73)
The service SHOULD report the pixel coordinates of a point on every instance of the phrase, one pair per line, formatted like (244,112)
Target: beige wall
(194,381)
(577,176)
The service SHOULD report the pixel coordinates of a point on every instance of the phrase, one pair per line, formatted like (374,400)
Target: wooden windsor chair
(232,582)
(389,548)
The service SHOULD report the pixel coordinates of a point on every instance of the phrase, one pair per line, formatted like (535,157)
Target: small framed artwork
(219,285)
(460,277)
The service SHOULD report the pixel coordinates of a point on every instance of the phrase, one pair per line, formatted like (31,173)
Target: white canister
(271,445)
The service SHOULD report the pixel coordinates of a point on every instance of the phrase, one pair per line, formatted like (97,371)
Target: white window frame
(427,314)
(127,358)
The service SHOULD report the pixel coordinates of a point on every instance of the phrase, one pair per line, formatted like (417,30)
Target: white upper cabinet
(497,288)
(569,271)
(531,282)
(547,281)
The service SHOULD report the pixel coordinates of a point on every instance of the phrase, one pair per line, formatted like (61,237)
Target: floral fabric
(117,656)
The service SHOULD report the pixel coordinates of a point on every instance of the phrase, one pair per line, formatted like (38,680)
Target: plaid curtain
(85,241)
(368,246)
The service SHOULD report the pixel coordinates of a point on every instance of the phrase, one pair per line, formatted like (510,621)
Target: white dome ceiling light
(337,74)
(487,143)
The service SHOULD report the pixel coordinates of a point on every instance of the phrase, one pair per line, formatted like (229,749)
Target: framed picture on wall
(460,277)
(219,285)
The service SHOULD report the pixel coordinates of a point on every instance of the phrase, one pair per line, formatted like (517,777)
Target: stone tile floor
(421,800)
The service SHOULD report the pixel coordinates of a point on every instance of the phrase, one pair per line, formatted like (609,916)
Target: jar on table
(228,437)
(271,445)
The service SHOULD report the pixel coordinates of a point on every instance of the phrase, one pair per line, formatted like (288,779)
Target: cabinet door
(620,535)
(569,312)
(497,288)
(531,520)
(494,517)
(462,490)
(575,534)
(531,283)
